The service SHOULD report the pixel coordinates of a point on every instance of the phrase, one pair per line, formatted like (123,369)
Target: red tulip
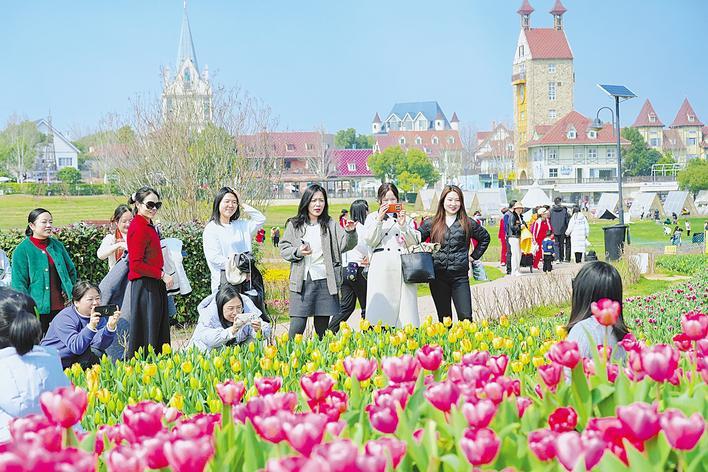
(659,361)
(230,392)
(64,406)
(340,455)
(305,432)
(383,418)
(563,419)
(144,418)
(551,375)
(401,369)
(498,364)
(480,446)
(360,368)
(125,459)
(683,342)
(393,448)
(683,433)
(479,414)
(641,419)
(542,443)
(629,343)
(606,311)
(189,455)
(442,395)
(695,325)
(266,385)
(570,446)
(317,386)
(430,357)
(565,353)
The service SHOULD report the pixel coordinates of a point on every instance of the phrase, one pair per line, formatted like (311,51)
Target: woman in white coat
(389,299)
(579,231)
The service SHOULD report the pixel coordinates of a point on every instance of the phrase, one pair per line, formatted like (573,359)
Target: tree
(321,162)
(412,168)
(349,139)
(18,146)
(637,158)
(694,177)
(69,175)
(667,158)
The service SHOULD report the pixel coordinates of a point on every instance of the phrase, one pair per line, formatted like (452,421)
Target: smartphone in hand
(394,208)
(106,310)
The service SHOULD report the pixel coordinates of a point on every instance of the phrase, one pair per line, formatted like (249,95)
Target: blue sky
(336,62)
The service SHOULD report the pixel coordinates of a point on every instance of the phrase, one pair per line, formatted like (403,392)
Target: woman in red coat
(148,284)
(539,229)
(502,237)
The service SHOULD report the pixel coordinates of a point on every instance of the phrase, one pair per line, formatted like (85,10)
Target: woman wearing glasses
(453,230)
(148,283)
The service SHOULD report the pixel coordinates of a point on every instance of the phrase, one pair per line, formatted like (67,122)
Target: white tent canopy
(471,203)
(535,197)
(701,202)
(644,204)
(491,201)
(608,201)
(677,201)
(426,200)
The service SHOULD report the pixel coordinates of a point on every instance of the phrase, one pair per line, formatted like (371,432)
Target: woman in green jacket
(42,269)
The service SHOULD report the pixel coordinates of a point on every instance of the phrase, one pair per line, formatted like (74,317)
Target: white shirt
(221,241)
(360,251)
(314,263)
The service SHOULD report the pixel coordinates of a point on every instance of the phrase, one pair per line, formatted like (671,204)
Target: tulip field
(508,394)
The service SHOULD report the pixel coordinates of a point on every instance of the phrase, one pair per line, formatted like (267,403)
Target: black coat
(559,219)
(452,256)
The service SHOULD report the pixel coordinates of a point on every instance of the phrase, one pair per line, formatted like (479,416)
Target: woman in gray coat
(313,244)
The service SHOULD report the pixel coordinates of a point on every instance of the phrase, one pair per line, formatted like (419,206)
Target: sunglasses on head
(153,205)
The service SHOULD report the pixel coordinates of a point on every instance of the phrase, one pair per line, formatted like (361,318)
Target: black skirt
(149,322)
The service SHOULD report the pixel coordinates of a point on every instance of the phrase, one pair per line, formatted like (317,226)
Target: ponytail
(32,217)
(19,326)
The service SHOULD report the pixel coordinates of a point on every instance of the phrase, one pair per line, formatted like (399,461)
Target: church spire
(525,13)
(186,45)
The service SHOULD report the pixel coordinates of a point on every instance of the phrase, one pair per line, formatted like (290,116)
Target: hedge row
(687,264)
(34,188)
(83,240)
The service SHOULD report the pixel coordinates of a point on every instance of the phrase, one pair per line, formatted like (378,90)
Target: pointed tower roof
(525,8)
(186,45)
(558,8)
(686,116)
(440,115)
(644,118)
(454,119)
(376,118)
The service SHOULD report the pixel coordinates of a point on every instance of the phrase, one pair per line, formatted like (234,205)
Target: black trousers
(563,243)
(149,322)
(508,257)
(350,292)
(547,262)
(297,325)
(447,288)
(578,257)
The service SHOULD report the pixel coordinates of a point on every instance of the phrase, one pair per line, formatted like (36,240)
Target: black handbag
(418,267)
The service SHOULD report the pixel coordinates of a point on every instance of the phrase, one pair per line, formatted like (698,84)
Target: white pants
(515,255)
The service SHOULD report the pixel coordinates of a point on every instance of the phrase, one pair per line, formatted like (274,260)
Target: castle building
(542,80)
(187,95)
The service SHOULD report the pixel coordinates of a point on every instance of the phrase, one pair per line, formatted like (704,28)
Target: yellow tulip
(218,362)
(310,367)
(379,381)
(485,323)
(193,383)
(316,355)
(473,327)
(525,358)
(447,321)
(166,349)
(364,325)
(534,331)
(508,343)
(215,405)
(365,384)
(466,345)
(276,365)
(251,347)
(478,336)
(187,367)
(497,343)
(456,356)
(146,379)
(412,344)
(285,369)
(103,395)
(561,333)
(156,394)
(538,361)
(504,321)
(484,346)
(235,365)
(266,364)
(97,418)
(516,366)
(430,331)
(378,328)
(271,352)
(177,401)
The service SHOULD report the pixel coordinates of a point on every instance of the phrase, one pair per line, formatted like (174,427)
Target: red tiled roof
(358,157)
(482,135)
(684,112)
(292,143)
(548,43)
(672,140)
(558,8)
(644,114)
(392,138)
(525,8)
(558,133)
(542,129)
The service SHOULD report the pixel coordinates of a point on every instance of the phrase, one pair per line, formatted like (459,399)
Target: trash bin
(614,241)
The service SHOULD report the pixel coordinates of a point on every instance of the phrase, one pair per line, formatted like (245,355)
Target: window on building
(450,140)
(521,51)
(65,162)
(652,118)
(401,140)
(351,167)
(418,140)
(691,118)
(579,154)
(551,91)
(309,146)
(552,154)
(551,68)
(592,153)
(592,134)
(422,125)
(290,147)
(654,142)
(435,140)
(611,153)
(552,172)
(427,150)
(552,114)
(572,134)
(288,164)
(691,142)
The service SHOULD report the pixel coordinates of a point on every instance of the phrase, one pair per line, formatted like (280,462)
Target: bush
(34,188)
(687,264)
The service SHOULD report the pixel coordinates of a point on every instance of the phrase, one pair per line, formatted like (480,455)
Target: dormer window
(309,146)
(652,118)
(450,140)
(691,118)
(401,140)
(435,140)
(572,134)
(351,167)
(592,134)
(290,147)
(418,140)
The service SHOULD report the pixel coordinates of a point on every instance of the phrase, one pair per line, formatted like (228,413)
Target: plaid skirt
(313,300)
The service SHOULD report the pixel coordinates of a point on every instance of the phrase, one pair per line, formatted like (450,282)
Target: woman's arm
(481,235)
(373,231)
(70,267)
(212,248)
(256,219)
(137,244)
(108,246)
(347,239)
(289,244)
(410,235)
(20,271)
(75,340)
(424,230)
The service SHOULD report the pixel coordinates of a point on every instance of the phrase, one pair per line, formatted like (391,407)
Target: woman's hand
(349,225)
(256,325)
(93,320)
(364,262)
(169,280)
(238,324)
(122,245)
(382,212)
(402,217)
(113,320)
(304,249)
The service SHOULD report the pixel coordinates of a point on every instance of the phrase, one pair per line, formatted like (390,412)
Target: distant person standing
(502,237)
(548,249)
(559,221)
(276,236)
(507,230)
(578,230)
(688,228)
(539,229)
(113,245)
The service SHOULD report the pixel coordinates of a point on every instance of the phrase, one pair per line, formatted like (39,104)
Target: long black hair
(140,196)
(358,210)
(303,215)
(595,281)
(32,217)
(383,190)
(81,288)
(19,326)
(215,215)
(224,295)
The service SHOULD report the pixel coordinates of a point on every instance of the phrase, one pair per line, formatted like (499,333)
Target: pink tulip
(144,418)
(494,391)
(335,428)
(396,393)
(565,353)
(297,464)
(189,455)
(476,358)
(125,459)
(154,451)
(383,418)
(267,385)
(588,367)
(563,419)
(64,406)
(570,446)
(12,461)
(702,346)
(271,428)
(442,395)
(542,443)
(305,432)
(360,368)
(340,455)
(695,325)
(392,448)
(230,392)
(683,433)
(401,369)
(36,430)
(280,401)
(522,403)
(659,361)
(640,419)
(629,343)
(498,364)
(551,375)
(606,311)
(370,463)
(480,446)
(683,342)
(201,424)
(479,414)
(172,414)
(317,386)
(612,371)
(430,357)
